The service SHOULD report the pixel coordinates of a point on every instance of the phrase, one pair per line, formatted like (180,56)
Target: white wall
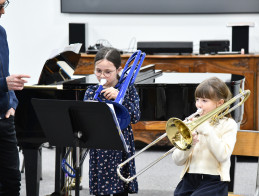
(36,27)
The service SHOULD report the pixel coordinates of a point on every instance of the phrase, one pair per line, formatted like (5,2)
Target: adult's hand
(9,113)
(16,81)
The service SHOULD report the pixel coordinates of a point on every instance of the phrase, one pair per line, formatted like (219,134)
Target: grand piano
(162,96)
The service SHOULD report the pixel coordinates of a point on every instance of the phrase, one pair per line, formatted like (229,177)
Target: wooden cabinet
(246,65)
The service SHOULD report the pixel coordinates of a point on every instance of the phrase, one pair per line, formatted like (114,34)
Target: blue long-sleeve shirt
(7,97)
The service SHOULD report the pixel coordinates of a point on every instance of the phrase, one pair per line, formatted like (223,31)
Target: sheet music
(118,126)
(68,70)
(72,47)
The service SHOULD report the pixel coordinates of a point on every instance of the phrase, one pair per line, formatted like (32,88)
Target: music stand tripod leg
(77,170)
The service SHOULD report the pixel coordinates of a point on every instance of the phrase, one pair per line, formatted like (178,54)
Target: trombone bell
(178,133)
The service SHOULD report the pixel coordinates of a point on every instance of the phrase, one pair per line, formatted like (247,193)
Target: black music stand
(70,123)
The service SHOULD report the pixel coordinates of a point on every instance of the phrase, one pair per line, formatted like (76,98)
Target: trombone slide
(127,180)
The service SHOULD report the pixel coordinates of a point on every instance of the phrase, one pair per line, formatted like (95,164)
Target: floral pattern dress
(103,178)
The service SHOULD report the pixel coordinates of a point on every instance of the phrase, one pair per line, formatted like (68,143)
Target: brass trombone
(179,133)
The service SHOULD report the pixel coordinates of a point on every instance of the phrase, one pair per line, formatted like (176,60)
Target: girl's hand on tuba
(110,93)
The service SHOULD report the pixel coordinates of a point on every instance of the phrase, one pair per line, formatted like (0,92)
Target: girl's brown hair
(214,89)
(110,54)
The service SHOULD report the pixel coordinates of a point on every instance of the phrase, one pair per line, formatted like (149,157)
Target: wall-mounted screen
(160,6)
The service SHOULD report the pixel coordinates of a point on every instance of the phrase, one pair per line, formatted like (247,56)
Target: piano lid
(59,68)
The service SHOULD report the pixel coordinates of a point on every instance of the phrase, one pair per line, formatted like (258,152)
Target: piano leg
(59,176)
(32,170)
(33,173)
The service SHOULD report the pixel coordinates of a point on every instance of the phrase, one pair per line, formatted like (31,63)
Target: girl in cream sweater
(207,162)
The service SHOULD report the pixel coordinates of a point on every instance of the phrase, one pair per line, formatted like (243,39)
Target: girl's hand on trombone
(195,138)
(110,93)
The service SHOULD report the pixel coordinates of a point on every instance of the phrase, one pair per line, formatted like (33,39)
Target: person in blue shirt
(10,176)
(103,178)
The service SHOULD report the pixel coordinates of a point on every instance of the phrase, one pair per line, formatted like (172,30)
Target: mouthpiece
(199,111)
(103,81)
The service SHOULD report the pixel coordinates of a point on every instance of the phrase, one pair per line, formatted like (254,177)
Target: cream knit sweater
(211,155)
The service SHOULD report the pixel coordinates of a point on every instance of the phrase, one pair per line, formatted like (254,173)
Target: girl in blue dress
(103,178)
